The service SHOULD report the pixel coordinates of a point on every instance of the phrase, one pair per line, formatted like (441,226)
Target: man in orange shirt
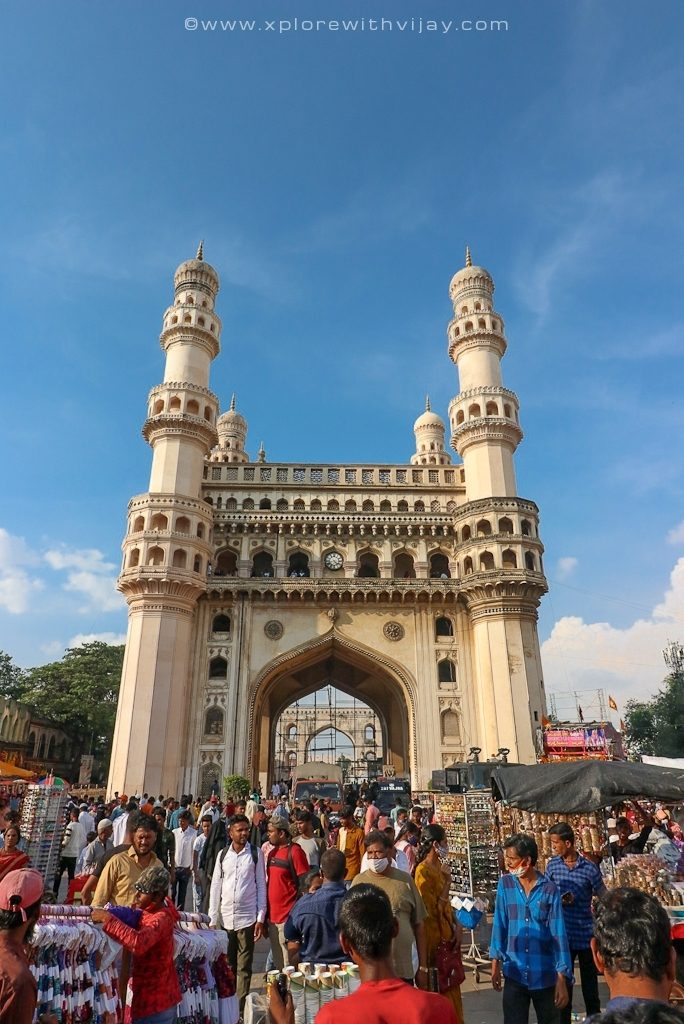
(350,841)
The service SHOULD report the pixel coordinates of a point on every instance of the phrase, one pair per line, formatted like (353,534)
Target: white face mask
(517,872)
(378,865)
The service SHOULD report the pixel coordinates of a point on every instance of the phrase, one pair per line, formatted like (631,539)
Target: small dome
(196,273)
(429,419)
(232,419)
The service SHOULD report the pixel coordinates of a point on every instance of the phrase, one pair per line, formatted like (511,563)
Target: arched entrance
(384,686)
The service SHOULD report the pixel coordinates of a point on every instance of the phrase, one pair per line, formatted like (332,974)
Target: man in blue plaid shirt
(578,881)
(529,946)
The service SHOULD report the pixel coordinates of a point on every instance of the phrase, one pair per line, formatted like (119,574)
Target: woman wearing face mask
(442,931)
(407,841)
(407,907)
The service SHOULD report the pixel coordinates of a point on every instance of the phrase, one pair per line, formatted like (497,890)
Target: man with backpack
(237,900)
(286,864)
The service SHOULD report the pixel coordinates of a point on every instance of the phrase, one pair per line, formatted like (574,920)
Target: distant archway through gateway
(384,685)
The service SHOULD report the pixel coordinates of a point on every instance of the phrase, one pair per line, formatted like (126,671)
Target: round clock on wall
(333,560)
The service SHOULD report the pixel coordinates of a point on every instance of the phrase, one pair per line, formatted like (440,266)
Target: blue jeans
(164,1017)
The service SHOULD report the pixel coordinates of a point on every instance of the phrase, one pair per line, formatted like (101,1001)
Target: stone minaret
(168,545)
(499,548)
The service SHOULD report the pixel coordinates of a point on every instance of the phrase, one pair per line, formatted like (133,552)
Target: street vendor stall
(533,797)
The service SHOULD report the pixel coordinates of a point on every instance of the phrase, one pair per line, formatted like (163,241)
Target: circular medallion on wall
(273,629)
(393,630)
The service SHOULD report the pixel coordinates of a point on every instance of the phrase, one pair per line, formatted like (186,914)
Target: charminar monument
(251,584)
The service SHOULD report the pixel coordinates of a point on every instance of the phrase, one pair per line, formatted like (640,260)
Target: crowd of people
(358,886)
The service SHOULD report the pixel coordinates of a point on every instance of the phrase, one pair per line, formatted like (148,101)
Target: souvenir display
(484,845)
(43,817)
(450,813)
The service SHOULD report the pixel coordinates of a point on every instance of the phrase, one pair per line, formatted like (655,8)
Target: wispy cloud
(580,222)
(565,567)
(676,534)
(664,344)
(368,216)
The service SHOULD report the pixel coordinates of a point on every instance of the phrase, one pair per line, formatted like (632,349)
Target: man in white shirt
(73,842)
(184,837)
(237,900)
(86,819)
(121,823)
(211,807)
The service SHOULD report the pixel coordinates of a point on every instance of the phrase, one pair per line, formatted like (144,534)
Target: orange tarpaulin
(10,771)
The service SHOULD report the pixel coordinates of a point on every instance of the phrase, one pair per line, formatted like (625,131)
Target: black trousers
(517,999)
(589,983)
(67,864)
(180,887)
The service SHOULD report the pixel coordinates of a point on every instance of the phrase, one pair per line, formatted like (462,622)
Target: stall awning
(10,771)
(577,786)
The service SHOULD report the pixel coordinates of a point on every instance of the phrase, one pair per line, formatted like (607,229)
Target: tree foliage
(656,726)
(11,678)
(236,787)
(79,693)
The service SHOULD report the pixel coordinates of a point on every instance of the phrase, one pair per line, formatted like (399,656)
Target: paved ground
(481,1004)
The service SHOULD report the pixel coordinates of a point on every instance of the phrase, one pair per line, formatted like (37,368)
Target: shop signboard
(575,739)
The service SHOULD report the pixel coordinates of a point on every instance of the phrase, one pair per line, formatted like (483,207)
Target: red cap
(21,889)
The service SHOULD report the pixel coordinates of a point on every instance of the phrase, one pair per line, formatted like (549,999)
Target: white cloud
(100,590)
(676,534)
(565,567)
(87,559)
(116,639)
(627,663)
(16,585)
(15,551)
(16,589)
(88,574)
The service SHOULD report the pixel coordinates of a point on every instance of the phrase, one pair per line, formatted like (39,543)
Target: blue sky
(336,177)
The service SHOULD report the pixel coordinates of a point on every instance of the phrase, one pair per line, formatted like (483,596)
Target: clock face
(333,560)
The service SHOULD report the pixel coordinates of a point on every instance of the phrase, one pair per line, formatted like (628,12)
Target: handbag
(450,970)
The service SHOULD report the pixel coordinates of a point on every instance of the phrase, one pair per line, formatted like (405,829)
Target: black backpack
(253,851)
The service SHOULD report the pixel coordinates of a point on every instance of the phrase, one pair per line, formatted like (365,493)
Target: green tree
(236,787)
(80,692)
(12,679)
(656,726)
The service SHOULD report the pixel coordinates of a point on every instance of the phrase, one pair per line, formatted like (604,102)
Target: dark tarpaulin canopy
(578,786)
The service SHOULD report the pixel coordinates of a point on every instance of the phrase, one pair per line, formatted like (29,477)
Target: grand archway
(384,686)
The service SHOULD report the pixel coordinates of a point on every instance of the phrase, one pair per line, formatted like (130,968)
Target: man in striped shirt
(529,946)
(578,881)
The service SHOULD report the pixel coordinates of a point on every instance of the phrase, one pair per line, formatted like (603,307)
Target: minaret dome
(429,431)
(232,434)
